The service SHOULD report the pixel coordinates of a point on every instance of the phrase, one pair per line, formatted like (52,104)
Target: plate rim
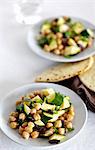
(51,146)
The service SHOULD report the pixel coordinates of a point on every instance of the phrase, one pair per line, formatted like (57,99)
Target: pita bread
(88,78)
(65,71)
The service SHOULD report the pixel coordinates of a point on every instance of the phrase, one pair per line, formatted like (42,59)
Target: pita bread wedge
(65,71)
(88,78)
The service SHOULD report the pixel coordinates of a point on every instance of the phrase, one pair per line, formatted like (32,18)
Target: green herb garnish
(58,100)
(55,130)
(70,129)
(45,119)
(85,33)
(19,108)
(20,122)
(55,29)
(43,40)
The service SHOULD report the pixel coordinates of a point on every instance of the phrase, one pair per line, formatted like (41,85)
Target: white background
(19,66)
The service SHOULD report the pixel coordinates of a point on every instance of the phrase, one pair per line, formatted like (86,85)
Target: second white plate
(8,104)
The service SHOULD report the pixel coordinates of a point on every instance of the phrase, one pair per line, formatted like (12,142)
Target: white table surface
(19,66)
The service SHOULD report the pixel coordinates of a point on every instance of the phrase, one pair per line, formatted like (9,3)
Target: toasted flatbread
(65,71)
(88,78)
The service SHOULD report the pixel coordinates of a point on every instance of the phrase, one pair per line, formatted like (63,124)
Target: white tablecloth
(19,65)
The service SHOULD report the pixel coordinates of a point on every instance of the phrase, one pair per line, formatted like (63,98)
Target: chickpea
(45,92)
(46,48)
(65,122)
(59,41)
(39,111)
(37,92)
(13,125)
(59,35)
(69,125)
(72,108)
(90,42)
(31,124)
(25,135)
(62,52)
(58,124)
(49,125)
(18,102)
(22,97)
(33,111)
(37,106)
(34,134)
(57,51)
(14,114)
(65,115)
(37,116)
(20,130)
(49,132)
(70,117)
(60,47)
(61,118)
(12,118)
(76,38)
(47,31)
(65,18)
(24,124)
(41,94)
(31,95)
(28,129)
(54,23)
(72,113)
(22,116)
(61,131)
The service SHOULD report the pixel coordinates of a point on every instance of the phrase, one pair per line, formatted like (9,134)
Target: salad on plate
(43,114)
(65,37)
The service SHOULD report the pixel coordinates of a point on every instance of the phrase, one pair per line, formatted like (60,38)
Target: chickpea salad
(43,114)
(63,36)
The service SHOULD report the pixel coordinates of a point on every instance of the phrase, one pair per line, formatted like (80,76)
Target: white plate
(33,44)
(8,104)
